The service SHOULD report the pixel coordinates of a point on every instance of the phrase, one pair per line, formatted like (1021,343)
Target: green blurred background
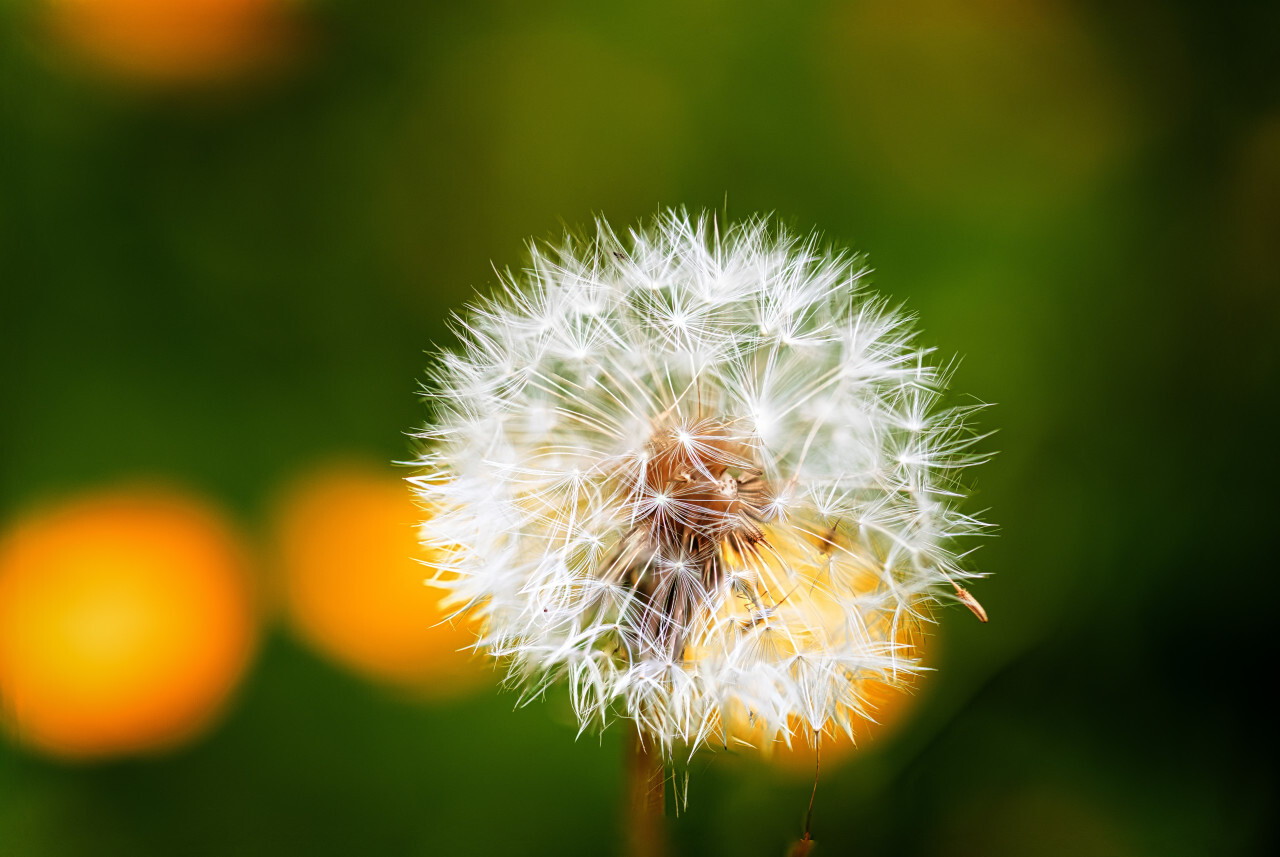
(220,278)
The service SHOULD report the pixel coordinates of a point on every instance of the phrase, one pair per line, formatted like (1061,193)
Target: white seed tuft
(700,475)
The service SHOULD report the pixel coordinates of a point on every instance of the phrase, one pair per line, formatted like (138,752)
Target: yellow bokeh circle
(352,581)
(126,620)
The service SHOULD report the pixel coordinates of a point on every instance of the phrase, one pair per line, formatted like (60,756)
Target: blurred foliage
(221,280)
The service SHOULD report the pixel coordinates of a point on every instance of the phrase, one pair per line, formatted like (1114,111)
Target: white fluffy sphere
(699,474)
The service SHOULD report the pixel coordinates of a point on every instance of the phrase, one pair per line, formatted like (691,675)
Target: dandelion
(701,476)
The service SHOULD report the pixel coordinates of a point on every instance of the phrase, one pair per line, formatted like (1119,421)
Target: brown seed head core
(700,484)
(697,490)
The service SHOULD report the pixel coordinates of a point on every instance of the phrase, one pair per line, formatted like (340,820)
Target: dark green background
(222,286)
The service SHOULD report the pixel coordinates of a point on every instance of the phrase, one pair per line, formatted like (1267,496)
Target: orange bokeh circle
(888,705)
(884,706)
(352,581)
(126,621)
(173,40)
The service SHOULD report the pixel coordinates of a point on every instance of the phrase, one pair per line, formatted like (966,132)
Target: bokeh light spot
(352,581)
(125,623)
(174,41)
(986,106)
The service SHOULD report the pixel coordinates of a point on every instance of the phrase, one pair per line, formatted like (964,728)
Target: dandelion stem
(805,844)
(646,799)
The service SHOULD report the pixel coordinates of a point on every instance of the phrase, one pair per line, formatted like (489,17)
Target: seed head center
(699,488)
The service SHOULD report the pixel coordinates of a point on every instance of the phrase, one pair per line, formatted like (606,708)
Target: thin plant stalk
(646,799)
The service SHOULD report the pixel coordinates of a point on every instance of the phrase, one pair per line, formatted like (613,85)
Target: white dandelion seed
(700,476)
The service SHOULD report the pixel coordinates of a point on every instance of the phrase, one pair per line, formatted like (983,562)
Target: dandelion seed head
(701,475)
